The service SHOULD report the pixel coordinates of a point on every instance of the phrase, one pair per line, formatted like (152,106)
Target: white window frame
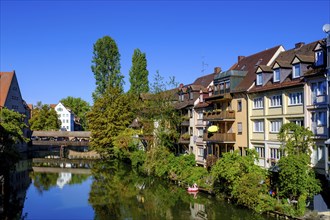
(239,128)
(275,101)
(296,98)
(200,132)
(298,121)
(258,103)
(200,152)
(260,150)
(275,126)
(259,79)
(295,73)
(277,75)
(239,105)
(258,126)
(275,153)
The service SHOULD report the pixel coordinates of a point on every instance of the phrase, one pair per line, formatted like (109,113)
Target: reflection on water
(106,191)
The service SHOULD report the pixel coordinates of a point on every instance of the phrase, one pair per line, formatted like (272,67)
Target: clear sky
(50,43)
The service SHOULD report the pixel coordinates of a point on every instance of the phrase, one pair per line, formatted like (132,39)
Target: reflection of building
(197,211)
(63,179)
(13,186)
(11,98)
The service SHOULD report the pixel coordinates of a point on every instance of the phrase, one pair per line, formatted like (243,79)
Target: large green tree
(139,73)
(79,107)
(11,132)
(106,66)
(296,177)
(44,118)
(110,115)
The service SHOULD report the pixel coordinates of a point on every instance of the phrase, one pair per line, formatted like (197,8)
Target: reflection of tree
(120,193)
(45,181)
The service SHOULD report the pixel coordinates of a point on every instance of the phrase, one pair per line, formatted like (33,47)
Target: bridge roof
(79,134)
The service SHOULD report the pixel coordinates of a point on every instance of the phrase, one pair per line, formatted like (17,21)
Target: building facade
(66,117)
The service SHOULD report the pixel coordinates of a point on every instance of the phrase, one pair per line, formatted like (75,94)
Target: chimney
(217,69)
(240,58)
(298,45)
(181,85)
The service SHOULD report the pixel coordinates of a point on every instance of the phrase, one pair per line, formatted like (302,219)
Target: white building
(66,117)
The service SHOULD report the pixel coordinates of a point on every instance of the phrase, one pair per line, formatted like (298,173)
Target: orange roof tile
(5,82)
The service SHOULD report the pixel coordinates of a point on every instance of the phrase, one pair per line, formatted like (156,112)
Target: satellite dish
(326,28)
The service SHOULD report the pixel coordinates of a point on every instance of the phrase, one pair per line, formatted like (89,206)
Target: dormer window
(201,96)
(277,73)
(191,95)
(181,97)
(319,59)
(259,79)
(296,70)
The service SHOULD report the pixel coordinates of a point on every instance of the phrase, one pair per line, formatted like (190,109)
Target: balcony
(218,115)
(184,138)
(220,137)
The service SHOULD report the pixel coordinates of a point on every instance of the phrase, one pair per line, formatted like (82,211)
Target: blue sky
(50,43)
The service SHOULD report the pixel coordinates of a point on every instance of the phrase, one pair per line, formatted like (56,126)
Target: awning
(213,129)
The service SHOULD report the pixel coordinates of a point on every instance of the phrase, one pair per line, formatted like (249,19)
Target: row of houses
(246,105)
(11,98)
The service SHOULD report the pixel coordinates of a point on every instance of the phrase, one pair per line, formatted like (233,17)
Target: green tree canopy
(106,66)
(296,139)
(110,115)
(44,118)
(139,74)
(79,107)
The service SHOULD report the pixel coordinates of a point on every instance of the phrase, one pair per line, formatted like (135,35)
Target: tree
(106,66)
(296,177)
(11,132)
(110,115)
(44,118)
(158,114)
(296,139)
(139,73)
(79,107)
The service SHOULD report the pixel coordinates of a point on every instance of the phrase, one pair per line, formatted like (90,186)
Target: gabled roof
(265,68)
(5,82)
(250,63)
(304,58)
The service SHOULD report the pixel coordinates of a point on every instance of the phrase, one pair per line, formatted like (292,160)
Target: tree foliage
(79,107)
(106,66)
(296,177)
(296,139)
(110,115)
(139,74)
(11,132)
(44,118)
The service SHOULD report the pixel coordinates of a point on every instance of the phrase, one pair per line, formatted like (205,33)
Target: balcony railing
(220,137)
(218,115)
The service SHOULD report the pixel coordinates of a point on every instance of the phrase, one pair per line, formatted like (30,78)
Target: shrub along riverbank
(238,179)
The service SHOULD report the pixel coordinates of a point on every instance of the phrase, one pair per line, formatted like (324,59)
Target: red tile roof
(250,63)
(5,82)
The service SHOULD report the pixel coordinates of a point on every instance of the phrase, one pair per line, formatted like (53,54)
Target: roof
(250,63)
(204,80)
(5,82)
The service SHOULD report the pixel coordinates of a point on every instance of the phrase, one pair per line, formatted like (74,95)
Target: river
(100,190)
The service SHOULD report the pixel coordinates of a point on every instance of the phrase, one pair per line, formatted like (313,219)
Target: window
(200,132)
(299,122)
(319,59)
(227,85)
(239,128)
(258,126)
(200,152)
(239,105)
(259,79)
(318,119)
(191,95)
(59,109)
(295,98)
(67,121)
(190,131)
(296,70)
(275,153)
(221,86)
(258,103)
(275,126)
(201,97)
(276,75)
(319,88)
(275,101)
(200,115)
(261,151)
(190,113)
